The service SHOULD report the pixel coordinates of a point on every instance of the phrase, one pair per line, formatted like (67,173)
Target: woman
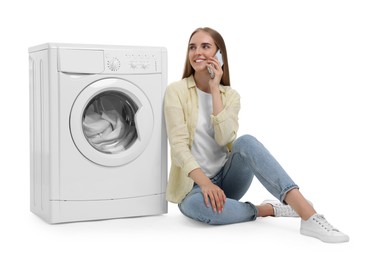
(211,169)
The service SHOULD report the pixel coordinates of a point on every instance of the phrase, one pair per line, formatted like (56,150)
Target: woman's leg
(249,157)
(259,162)
(265,210)
(237,182)
(193,206)
(295,199)
(236,178)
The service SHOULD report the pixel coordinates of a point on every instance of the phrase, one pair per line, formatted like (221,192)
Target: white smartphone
(220,59)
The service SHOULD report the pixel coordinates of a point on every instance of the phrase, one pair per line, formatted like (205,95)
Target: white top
(210,156)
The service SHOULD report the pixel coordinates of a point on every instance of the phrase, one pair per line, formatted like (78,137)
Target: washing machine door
(111,122)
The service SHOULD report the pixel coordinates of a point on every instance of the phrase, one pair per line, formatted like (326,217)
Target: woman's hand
(212,193)
(216,67)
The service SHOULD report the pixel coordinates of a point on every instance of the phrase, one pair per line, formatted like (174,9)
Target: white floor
(158,236)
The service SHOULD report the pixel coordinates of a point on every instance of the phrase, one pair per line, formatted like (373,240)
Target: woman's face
(201,47)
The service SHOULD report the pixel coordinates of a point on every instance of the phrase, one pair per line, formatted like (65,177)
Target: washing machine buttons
(145,65)
(133,65)
(139,65)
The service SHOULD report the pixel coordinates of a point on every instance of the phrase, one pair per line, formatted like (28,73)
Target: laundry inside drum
(108,122)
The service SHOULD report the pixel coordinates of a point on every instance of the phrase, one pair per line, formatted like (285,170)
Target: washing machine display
(98,140)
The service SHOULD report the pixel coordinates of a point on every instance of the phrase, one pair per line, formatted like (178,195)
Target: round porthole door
(111,122)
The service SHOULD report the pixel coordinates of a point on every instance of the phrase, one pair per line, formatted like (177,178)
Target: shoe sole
(326,239)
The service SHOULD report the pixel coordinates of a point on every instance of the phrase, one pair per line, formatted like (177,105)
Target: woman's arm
(217,103)
(177,131)
(226,122)
(224,116)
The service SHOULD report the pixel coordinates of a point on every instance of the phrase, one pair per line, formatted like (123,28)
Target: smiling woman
(211,168)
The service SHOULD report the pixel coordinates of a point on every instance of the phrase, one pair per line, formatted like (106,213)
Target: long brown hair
(219,41)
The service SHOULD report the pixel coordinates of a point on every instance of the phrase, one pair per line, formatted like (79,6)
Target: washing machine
(97,136)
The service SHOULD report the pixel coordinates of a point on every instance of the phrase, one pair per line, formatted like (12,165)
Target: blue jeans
(248,158)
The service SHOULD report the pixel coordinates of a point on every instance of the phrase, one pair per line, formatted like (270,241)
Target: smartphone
(220,59)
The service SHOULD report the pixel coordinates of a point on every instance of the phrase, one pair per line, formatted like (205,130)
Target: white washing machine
(98,140)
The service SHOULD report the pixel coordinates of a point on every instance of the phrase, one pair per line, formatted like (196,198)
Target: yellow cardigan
(181,115)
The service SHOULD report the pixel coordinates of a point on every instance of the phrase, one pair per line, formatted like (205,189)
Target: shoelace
(320,219)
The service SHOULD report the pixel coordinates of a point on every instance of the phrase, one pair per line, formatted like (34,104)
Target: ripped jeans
(248,158)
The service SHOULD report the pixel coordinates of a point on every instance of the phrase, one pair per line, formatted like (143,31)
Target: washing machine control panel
(133,61)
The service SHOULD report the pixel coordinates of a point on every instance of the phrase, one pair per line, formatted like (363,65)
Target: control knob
(114,64)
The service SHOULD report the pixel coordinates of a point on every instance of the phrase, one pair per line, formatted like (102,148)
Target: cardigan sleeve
(226,122)
(178,132)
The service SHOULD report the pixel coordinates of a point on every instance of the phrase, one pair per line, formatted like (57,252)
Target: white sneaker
(280,209)
(317,226)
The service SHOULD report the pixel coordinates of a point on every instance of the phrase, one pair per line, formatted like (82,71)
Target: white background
(305,72)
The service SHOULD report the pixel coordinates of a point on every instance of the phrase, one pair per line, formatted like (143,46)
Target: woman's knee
(246,143)
(194,207)
(191,204)
(247,139)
